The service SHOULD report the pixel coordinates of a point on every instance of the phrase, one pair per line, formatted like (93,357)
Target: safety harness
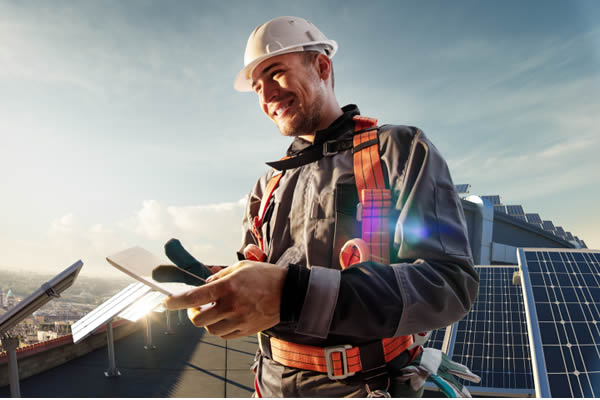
(342,361)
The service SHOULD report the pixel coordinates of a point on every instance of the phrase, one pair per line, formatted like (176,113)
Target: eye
(276,74)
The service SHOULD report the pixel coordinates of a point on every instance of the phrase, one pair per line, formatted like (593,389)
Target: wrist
(294,292)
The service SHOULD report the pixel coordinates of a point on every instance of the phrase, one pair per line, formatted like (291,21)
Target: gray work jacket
(430,282)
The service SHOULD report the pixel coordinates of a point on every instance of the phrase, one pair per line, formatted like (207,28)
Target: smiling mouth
(281,110)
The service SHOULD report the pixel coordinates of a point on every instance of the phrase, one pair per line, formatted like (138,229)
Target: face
(290,93)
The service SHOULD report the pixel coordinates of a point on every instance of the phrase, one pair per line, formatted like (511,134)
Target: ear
(323,67)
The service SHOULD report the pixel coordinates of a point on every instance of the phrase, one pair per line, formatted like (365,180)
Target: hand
(247,297)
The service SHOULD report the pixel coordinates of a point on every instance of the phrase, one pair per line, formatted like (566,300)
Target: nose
(270,91)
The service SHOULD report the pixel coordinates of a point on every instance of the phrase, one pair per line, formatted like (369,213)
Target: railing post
(149,345)
(11,344)
(169,330)
(110,344)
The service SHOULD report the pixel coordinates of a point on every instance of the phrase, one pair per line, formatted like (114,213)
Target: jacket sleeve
(430,283)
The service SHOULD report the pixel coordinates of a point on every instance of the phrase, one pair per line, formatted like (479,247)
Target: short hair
(308,57)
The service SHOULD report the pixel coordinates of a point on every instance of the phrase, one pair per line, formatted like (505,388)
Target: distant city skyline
(120,125)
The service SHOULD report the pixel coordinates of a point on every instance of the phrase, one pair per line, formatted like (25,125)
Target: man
(324,331)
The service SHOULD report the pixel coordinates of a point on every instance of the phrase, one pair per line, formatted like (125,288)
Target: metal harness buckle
(326,151)
(329,360)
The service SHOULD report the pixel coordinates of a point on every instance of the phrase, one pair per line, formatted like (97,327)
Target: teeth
(281,110)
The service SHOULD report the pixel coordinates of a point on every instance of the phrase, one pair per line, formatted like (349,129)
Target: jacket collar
(342,125)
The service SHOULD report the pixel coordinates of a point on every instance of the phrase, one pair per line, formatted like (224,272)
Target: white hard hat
(279,36)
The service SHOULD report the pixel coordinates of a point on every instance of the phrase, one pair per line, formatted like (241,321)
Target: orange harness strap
(375,198)
(337,361)
(264,202)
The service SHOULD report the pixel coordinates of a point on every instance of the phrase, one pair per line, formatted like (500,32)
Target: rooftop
(188,363)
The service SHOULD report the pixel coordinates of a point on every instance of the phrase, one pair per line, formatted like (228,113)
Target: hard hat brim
(242,81)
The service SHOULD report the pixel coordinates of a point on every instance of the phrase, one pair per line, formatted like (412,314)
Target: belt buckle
(329,361)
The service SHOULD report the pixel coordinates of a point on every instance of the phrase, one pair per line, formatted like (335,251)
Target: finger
(192,298)
(222,328)
(215,268)
(223,272)
(207,316)
(233,335)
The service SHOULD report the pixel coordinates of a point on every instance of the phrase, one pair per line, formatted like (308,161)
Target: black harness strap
(316,152)
(312,154)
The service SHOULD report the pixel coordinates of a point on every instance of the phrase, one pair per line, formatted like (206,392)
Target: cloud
(210,232)
(562,149)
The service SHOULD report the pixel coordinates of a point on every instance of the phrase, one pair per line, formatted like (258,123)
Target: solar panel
(533,218)
(492,339)
(436,340)
(562,293)
(515,210)
(548,226)
(143,306)
(462,188)
(569,236)
(493,199)
(584,245)
(519,217)
(499,208)
(108,310)
(49,290)
(560,232)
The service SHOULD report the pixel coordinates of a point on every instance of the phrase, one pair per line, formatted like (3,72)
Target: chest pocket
(346,225)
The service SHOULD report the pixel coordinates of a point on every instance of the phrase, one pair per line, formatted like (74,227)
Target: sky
(119,124)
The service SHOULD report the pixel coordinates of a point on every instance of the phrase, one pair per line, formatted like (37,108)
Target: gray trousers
(276,380)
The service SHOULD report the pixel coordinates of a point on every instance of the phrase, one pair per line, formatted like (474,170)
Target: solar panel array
(562,291)
(534,219)
(492,340)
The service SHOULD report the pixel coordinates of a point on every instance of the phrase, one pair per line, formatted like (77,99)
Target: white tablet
(139,263)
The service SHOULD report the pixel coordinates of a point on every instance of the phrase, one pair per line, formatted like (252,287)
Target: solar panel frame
(566,264)
(548,226)
(492,306)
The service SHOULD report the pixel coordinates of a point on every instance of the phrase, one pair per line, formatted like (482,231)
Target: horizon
(121,127)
